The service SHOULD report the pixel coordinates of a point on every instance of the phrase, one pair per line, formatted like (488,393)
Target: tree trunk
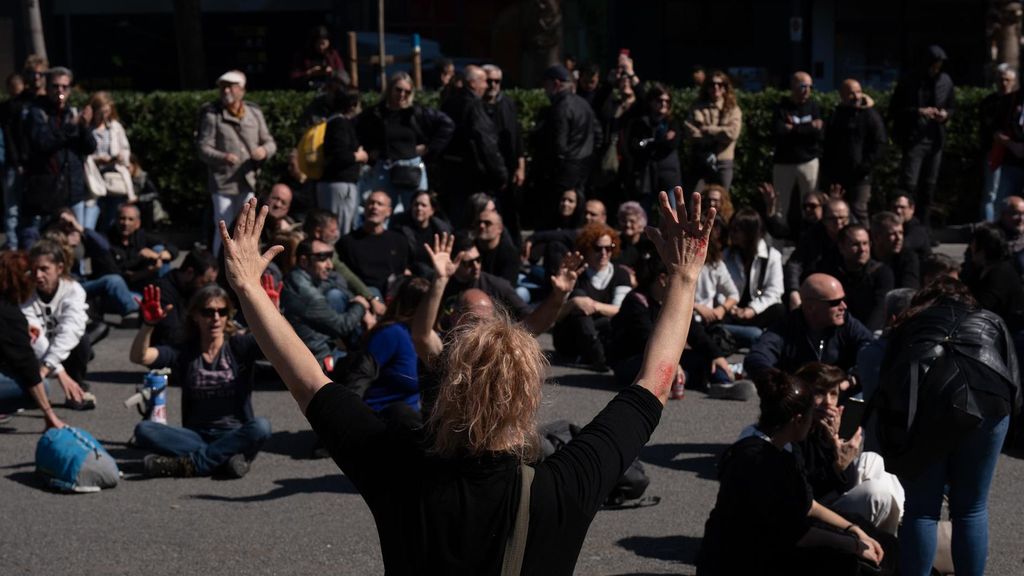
(1004,29)
(37,42)
(188,31)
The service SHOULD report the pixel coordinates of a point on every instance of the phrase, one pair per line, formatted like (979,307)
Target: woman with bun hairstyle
(765,513)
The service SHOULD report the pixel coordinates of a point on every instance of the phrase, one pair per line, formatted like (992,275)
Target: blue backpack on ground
(73,461)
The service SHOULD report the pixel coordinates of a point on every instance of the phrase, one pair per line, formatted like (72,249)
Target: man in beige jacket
(233,141)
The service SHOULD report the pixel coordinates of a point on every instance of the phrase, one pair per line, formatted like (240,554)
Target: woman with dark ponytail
(765,510)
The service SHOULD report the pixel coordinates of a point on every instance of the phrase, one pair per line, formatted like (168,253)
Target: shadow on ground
(682,549)
(328,483)
(593,381)
(701,459)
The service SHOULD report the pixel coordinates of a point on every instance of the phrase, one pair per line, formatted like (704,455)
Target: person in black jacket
(854,141)
(992,278)
(59,141)
(472,162)
(21,385)
(566,137)
(505,116)
(798,129)
(920,109)
(13,122)
(651,161)
(139,258)
(337,191)
(818,250)
(865,280)
(916,236)
(991,113)
(401,139)
(887,247)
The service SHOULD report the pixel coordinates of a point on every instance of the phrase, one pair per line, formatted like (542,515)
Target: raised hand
(836,192)
(243,261)
(441,255)
(769,195)
(568,272)
(273,291)
(149,307)
(682,242)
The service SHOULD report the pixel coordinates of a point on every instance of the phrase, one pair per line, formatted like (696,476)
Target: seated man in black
(375,254)
(865,280)
(498,254)
(323,225)
(887,247)
(916,236)
(176,290)
(141,260)
(816,252)
(307,309)
(820,330)
(470,274)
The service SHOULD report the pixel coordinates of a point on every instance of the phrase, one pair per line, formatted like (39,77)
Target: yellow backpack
(311,150)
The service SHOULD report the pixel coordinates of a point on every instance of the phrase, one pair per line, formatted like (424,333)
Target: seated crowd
(379,270)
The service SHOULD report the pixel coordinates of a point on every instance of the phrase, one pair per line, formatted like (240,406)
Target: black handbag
(405,176)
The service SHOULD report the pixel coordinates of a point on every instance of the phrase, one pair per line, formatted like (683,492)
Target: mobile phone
(853,416)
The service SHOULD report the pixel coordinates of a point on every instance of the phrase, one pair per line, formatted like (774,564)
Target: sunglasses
(494,80)
(718,84)
(834,302)
(471,261)
(609,248)
(402,91)
(211,312)
(321,256)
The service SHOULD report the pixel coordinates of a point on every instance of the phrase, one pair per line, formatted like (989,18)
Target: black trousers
(919,172)
(581,335)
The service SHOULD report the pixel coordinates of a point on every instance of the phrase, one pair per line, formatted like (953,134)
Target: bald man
(140,259)
(473,161)
(820,330)
(854,141)
(798,130)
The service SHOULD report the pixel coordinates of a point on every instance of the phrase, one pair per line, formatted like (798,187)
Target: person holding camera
(854,141)
(652,148)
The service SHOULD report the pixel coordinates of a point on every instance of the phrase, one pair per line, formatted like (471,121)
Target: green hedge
(160,126)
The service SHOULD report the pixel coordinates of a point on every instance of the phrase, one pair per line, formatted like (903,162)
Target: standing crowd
(390,267)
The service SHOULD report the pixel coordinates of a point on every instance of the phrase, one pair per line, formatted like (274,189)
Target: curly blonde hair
(490,392)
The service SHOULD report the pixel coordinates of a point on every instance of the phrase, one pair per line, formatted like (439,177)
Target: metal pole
(380,37)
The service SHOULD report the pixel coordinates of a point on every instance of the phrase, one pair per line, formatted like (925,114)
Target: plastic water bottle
(156,383)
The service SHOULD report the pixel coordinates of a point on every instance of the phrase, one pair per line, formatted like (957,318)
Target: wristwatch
(50,366)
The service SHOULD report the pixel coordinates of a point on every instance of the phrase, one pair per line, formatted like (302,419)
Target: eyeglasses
(486,223)
(322,256)
(471,261)
(211,312)
(837,219)
(609,248)
(718,84)
(60,86)
(664,101)
(403,91)
(811,206)
(494,80)
(804,86)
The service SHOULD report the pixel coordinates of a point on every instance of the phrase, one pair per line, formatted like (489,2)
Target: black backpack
(628,491)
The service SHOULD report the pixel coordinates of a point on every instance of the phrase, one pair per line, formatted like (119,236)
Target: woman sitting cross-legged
(766,520)
(212,369)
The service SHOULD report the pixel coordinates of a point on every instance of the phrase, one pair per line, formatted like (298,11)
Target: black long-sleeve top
(801,143)
(340,145)
(854,141)
(16,357)
(453,516)
(136,269)
(505,116)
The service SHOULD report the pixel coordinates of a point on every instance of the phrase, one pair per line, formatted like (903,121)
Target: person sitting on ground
(1011,222)
(21,381)
(765,502)
(419,225)
(220,432)
(323,225)
(57,309)
(716,292)
(916,236)
(820,330)
(632,327)
(993,281)
(719,199)
(939,265)
(817,251)
(756,270)
(445,504)
(498,255)
(636,248)
(279,201)
(887,248)
(140,259)
(309,310)
(865,280)
(811,213)
(378,256)
(198,269)
(842,475)
(586,320)
(869,359)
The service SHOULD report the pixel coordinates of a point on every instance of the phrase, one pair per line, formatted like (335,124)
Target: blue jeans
(990,192)
(208,449)
(380,179)
(12,183)
(114,292)
(745,335)
(1011,182)
(968,471)
(87,212)
(337,298)
(13,397)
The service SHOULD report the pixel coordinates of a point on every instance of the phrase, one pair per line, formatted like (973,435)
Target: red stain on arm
(665,375)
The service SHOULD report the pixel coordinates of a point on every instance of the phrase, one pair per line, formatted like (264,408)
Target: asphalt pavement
(295,515)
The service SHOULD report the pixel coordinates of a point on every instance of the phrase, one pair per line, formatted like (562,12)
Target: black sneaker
(171,466)
(237,466)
